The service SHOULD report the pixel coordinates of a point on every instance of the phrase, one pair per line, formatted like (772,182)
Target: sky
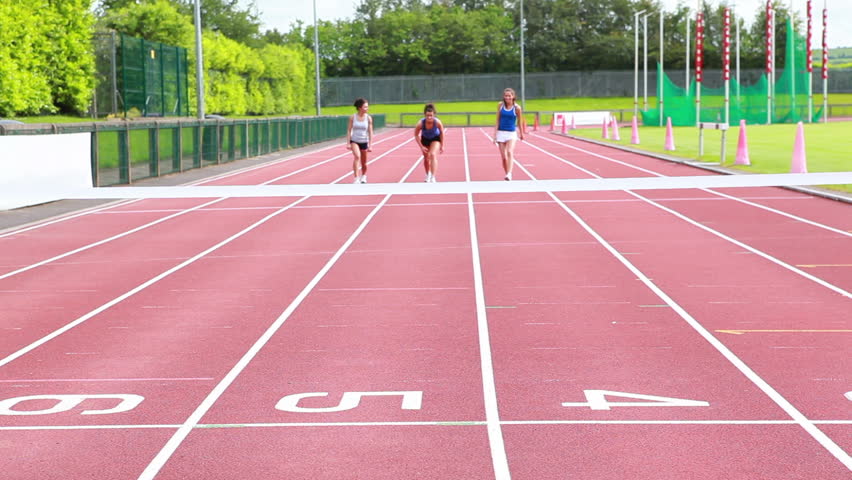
(278,14)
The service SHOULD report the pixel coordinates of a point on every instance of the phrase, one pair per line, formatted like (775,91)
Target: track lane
(542,299)
(393,314)
(60,294)
(142,357)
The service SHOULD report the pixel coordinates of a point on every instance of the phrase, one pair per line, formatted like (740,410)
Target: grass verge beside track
(770,147)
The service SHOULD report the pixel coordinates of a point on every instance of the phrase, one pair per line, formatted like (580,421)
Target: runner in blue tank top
(509,127)
(429,132)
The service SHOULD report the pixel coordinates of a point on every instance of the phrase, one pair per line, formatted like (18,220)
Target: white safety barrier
(580,118)
(37,169)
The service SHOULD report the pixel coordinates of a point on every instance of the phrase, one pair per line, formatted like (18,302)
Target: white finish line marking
(466,423)
(469,187)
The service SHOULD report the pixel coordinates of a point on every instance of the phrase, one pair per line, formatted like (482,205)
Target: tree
(155,20)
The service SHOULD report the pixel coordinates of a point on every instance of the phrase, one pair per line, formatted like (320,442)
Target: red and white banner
(770,62)
(699,47)
(825,43)
(726,46)
(810,52)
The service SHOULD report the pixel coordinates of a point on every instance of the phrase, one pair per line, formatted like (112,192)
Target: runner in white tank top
(360,131)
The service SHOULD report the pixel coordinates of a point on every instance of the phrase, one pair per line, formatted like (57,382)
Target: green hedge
(46,59)
(240,80)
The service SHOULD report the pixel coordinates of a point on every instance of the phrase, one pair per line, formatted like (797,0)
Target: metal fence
(125,152)
(455,88)
(133,73)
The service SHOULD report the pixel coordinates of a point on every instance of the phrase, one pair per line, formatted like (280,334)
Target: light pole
(636,63)
(199,63)
(523,75)
(645,59)
(316,56)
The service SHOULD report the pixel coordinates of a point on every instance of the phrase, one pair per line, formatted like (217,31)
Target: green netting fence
(751,103)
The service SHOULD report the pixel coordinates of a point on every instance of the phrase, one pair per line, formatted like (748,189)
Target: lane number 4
(597,400)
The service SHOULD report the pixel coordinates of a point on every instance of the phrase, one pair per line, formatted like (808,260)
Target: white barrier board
(37,169)
(579,118)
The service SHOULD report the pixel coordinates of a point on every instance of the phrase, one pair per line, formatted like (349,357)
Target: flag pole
(825,62)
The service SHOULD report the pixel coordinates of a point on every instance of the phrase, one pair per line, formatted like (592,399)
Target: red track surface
(233,329)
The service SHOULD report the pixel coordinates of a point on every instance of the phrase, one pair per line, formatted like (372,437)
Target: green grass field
(828,147)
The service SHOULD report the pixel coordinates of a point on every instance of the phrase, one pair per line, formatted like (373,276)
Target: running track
(669,334)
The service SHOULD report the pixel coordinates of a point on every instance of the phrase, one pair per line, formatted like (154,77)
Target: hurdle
(711,126)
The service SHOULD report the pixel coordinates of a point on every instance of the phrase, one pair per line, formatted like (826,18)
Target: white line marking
(74,380)
(458,423)
(693,222)
(174,442)
(389,289)
(161,276)
(492,413)
(729,197)
(107,240)
(794,413)
(179,213)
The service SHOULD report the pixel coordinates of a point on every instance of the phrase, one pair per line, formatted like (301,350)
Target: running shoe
(363,179)
(508,177)
(357,180)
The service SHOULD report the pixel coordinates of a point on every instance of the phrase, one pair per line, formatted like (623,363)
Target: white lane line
(782,402)
(175,441)
(459,423)
(75,380)
(100,209)
(388,289)
(751,249)
(700,225)
(106,240)
(720,194)
(161,220)
(161,276)
(492,414)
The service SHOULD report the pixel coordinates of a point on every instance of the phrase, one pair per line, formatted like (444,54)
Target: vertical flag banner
(825,64)
(699,48)
(825,43)
(810,53)
(770,60)
(769,34)
(809,62)
(726,46)
(699,63)
(726,62)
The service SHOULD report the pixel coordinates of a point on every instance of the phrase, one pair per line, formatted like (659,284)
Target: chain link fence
(137,74)
(460,88)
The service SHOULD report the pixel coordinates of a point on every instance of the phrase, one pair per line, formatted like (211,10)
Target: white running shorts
(504,136)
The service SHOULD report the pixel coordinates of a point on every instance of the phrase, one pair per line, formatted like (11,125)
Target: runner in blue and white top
(360,137)
(429,132)
(510,125)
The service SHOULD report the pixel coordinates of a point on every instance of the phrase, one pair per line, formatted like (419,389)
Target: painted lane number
(597,400)
(411,400)
(64,403)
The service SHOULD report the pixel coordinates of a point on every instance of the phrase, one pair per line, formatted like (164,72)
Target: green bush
(46,58)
